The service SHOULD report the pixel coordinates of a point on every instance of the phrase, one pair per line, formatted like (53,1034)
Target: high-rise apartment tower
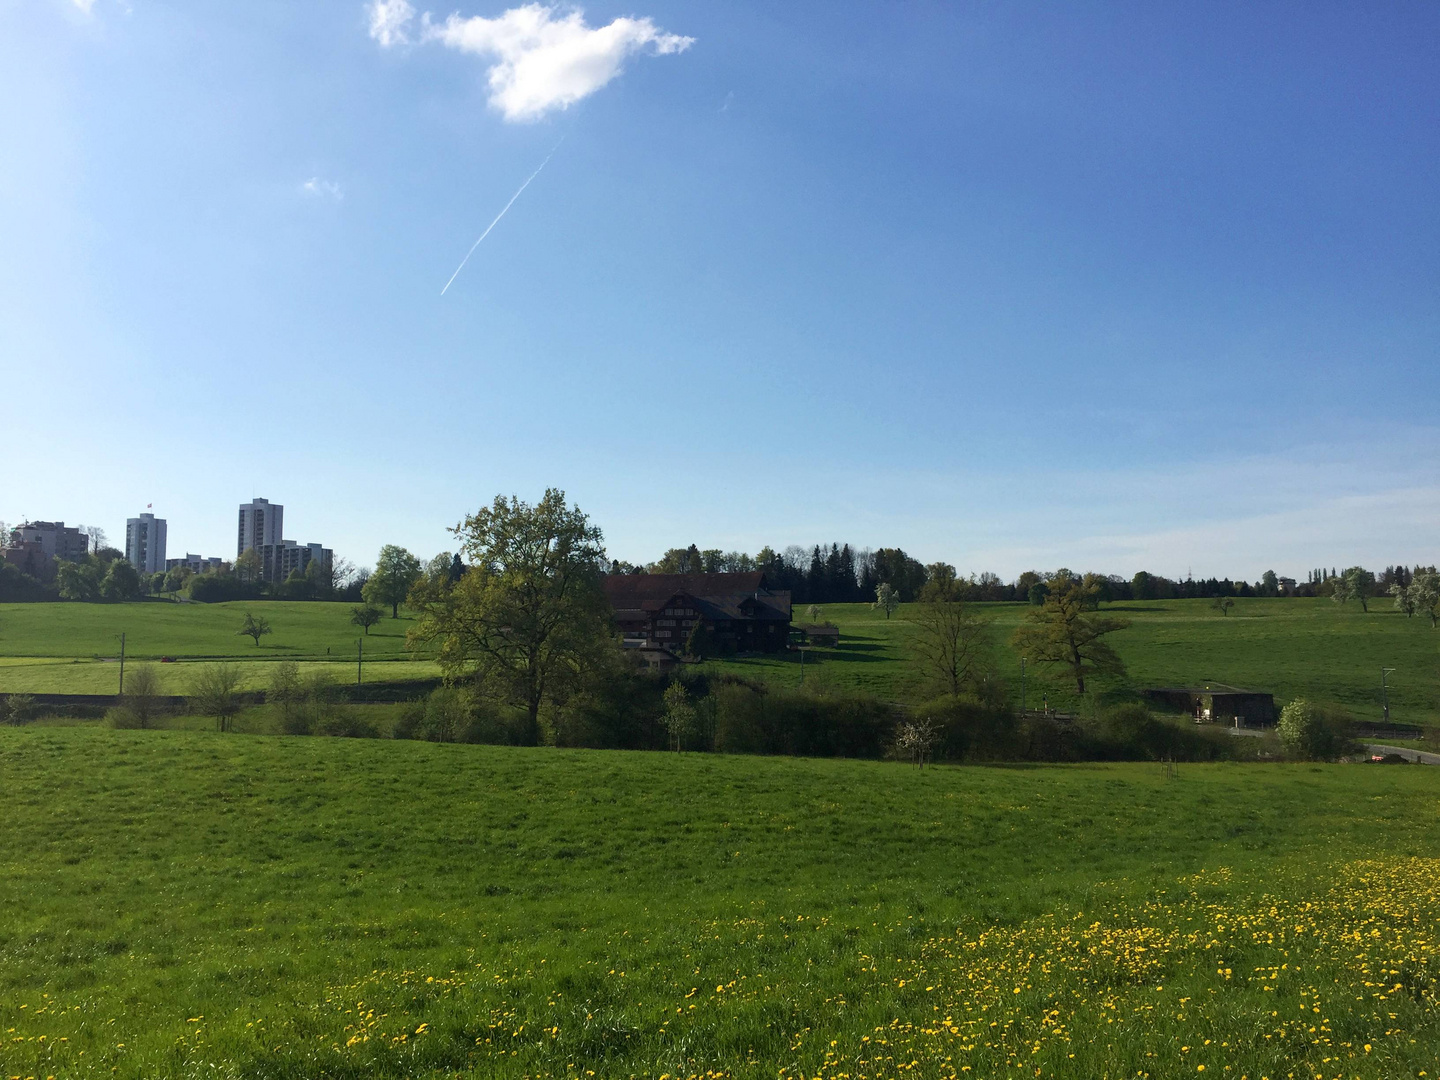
(261,523)
(145,543)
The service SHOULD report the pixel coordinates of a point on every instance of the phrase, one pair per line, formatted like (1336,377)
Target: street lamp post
(1385,694)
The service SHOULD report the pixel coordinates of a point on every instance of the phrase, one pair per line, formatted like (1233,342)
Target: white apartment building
(145,543)
(261,524)
(198,564)
(280,560)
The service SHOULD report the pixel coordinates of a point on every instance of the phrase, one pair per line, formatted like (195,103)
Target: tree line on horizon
(838,573)
(842,574)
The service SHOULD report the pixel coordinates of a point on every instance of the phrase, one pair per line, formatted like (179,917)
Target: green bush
(407,724)
(16,709)
(1131,732)
(620,712)
(455,714)
(344,723)
(1310,732)
(217,588)
(123,718)
(971,730)
(755,720)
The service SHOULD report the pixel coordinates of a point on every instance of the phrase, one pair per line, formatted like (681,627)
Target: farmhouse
(740,612)
(1218,703)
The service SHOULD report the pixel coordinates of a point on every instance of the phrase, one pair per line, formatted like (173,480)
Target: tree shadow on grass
(1025,766)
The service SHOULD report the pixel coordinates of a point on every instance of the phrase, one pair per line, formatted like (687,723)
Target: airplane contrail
(498,217)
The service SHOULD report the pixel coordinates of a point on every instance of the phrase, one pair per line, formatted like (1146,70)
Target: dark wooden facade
(740,611)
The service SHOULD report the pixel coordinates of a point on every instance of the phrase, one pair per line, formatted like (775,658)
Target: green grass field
(74,648)
(181,904)
(1289,647)
(58,675)
(155,628)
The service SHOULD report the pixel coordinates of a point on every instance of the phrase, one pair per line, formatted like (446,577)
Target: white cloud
(87,7)
(389,21)
(318,188)
(541,58)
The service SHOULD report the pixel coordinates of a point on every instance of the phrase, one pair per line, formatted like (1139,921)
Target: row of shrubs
(735,716)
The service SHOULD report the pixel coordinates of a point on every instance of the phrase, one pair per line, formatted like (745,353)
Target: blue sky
(1113,286)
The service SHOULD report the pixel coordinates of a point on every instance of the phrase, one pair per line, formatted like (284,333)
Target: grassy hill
(1289,647)
(72,648)
(183,904)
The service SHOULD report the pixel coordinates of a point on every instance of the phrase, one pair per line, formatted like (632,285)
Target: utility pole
(122,665)
(359,660)
(1385,694)
(1022,684)
(802,665)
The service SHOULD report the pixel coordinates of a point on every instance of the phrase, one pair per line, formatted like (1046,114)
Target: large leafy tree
(902,573)
(248,565)
(1358,585)
(1067,633)
(78,580)
(887,598)
(396,570)
(528,621)
(121,581)
(1425,595)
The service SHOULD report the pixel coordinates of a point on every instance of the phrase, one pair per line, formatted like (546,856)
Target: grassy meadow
(1290,647)
(191,904)
(74,648)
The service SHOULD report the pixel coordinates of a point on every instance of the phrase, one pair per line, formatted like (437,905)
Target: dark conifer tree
(815,580)
(846,586)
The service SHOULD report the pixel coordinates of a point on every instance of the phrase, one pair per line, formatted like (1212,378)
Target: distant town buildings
(145,543)
(261,529)
(35,545)
(279,561)
(53,539)
(199,564)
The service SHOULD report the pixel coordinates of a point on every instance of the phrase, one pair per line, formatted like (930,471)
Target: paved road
(1404,751)
(1420,756)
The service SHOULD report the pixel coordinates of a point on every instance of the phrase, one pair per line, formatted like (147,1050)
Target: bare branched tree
(954,646)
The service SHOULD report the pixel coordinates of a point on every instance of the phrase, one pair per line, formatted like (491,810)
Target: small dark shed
(1217,703)
(822,634)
